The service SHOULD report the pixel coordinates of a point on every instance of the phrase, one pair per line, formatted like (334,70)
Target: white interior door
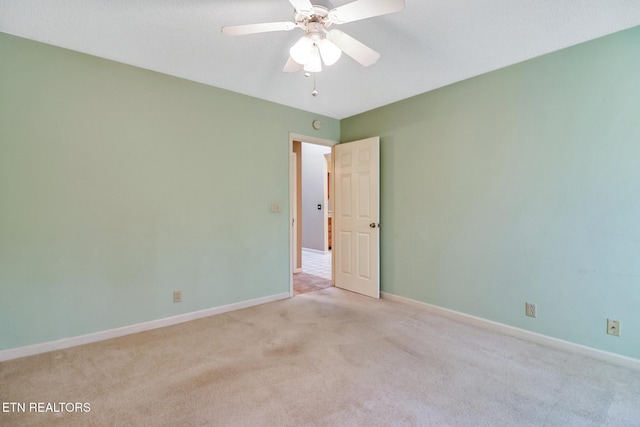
(356,216)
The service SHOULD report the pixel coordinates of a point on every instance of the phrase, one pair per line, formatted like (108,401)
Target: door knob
(373,225)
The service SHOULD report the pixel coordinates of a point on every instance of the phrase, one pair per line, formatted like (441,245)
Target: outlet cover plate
(613,327)
(177,296)
(530,309)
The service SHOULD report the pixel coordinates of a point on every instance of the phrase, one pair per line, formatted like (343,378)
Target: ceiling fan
(319,44)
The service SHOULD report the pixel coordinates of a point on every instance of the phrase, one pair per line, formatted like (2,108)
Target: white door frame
(312,140)
(293,179)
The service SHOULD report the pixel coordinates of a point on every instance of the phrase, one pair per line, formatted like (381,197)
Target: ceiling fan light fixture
(314,64)
(320,44)
(329,51)
(302,51)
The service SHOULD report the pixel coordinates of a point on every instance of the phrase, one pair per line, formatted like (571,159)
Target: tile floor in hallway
(316,263)
(316,272)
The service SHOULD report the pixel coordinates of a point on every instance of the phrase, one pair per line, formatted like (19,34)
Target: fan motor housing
(317,16)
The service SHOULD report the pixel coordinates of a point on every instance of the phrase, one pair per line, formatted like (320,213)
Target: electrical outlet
(530,309)
(177,296)
(613,327)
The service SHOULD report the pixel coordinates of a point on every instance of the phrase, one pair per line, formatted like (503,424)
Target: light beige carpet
(328,358)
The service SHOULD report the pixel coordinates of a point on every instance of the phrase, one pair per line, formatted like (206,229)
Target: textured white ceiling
(431,44)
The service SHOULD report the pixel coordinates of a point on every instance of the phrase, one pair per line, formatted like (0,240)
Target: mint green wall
(520,185)
(119,185)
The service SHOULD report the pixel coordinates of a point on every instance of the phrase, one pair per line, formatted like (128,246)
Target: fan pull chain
(314,92)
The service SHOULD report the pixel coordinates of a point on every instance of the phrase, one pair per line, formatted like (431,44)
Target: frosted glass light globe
(301,51)
(329,51)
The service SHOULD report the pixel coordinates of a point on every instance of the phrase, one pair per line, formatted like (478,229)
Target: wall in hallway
(313,194)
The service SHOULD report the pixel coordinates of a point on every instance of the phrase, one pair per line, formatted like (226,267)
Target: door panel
(364,199)
(364,255)
(345,256)
(345,196)
(357,217)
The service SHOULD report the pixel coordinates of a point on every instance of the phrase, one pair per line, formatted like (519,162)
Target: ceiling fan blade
(292,66)
(363,9)
(302,6)
(241,30)
(352,47)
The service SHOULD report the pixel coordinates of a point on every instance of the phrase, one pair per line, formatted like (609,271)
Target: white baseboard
(545,340)
(31,350)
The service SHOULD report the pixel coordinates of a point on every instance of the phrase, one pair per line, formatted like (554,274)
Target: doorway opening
(311,209)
